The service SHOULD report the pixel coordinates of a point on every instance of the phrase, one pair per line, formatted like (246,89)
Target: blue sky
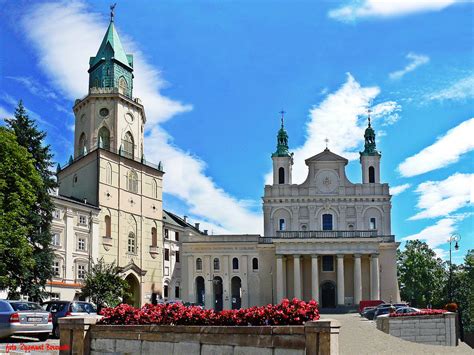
(214,75)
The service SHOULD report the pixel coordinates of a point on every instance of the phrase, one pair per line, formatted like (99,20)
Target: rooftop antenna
(112,9)
(369,111)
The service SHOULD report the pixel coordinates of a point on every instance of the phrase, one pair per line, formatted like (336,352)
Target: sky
(213,76)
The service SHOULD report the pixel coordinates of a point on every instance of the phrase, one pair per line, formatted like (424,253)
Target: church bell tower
(370,157)
(282,158)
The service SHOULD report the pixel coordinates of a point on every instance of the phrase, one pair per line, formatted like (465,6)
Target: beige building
(326,239)
(109,171)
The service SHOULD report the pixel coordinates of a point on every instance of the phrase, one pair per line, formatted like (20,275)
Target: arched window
(154,239)
(327,222)
(96,83)
(281,175)
(371,174)
(108,173)
(123,86)
(108,227)
(235,264)
(154,189)
(132,245)
(104,138)
(132,183)
(128,145)
(282,224)
(82,144)
(198,264)
(217,264)
(254,264)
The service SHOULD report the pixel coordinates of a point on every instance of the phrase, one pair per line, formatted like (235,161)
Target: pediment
(133,267)
(326,155)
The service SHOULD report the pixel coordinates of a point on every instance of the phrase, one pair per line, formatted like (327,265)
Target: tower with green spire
(111,67)
(370,157)
(282,158)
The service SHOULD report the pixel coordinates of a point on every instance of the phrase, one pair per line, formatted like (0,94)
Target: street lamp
(455,238)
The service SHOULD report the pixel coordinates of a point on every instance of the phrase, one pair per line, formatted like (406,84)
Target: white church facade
(326,239)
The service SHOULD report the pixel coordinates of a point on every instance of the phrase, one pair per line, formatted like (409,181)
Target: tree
(463,290)
(104,285)
(40,217)
(422,275)
(19,183)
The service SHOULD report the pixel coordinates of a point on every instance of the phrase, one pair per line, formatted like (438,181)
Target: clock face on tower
(327,181)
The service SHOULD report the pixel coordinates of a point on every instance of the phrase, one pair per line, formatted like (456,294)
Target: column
(340,280)
(357,279)
(209,285)
(374,277)
(243,274)
(279,278)
(226,282)
(297,275)
(285,283)
(69,246)
(314,278)
(191,296)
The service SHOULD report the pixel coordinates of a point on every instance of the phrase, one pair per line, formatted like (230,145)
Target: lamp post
(455,238)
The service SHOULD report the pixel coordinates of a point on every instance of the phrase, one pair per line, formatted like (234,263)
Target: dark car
(383,310)
(370,313)
(24,318)
(60,309)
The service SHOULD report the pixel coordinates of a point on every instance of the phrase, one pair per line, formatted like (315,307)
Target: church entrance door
(328,295)
(133,297)
(217,293)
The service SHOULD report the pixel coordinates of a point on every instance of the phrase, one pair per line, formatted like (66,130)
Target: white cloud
(439,233)
(387,8)
(397,190)
(460,90)
(440,198)
(446,150)
(342,118)
(65,36)
(5,113)
(415,61)
(34,87)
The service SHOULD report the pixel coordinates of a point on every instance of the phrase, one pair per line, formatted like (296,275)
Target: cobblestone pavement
(25,345)
(359,336)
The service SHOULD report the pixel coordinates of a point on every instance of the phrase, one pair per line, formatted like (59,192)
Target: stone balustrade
(433,329)
(83,336)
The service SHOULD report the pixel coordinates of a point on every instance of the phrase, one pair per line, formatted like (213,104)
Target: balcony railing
(328,234)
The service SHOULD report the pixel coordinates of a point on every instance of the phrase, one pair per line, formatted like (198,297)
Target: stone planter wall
(83,336)
(433,329)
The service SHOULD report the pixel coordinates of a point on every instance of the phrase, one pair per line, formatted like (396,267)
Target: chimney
(185,219)
(196,225)
(205,231)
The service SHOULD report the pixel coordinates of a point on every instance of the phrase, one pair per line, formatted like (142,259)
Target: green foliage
(19,183)
(422,275)
(463,290)
(104,285)
(40,216)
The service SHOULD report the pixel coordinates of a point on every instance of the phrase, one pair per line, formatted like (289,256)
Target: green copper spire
(369,146)
(282,140)
(111,67)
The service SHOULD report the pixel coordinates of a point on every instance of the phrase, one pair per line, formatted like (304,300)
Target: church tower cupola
(370,157)
(282,158)
(111,69)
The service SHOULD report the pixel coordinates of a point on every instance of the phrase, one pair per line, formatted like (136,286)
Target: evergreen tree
(422,275)
(104,285)
(30,137)
(19,183)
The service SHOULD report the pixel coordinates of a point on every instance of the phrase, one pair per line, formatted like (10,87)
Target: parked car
(24,318)
(383,310)
(400,305)
(402,310)
(369,303)
(60,309)
(370,313)
(366,310)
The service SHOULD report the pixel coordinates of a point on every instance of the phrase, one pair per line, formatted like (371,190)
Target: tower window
(235,264)
(104,138)
(327,222)
(371,174)
(217,265)
(123,86)
(198,264)
(132,181)
(132,243)
(281,175)
(128,145)
(255,264)
(282,225)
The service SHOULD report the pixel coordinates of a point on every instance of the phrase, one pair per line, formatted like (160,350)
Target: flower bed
(423,312)
(294,312)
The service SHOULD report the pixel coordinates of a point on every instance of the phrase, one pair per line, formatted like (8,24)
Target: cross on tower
(369,111)
(282,112)
(112,9)
(327,141)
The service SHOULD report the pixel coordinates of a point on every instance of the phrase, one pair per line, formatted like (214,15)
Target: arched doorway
(200,290)
(133,290)
(328,294)
(236,288)
(217,283)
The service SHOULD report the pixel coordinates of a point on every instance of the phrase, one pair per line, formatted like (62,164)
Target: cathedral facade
(326,239)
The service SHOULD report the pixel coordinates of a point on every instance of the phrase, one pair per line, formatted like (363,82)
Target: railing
(265,240)
(332,234)
(120,152)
